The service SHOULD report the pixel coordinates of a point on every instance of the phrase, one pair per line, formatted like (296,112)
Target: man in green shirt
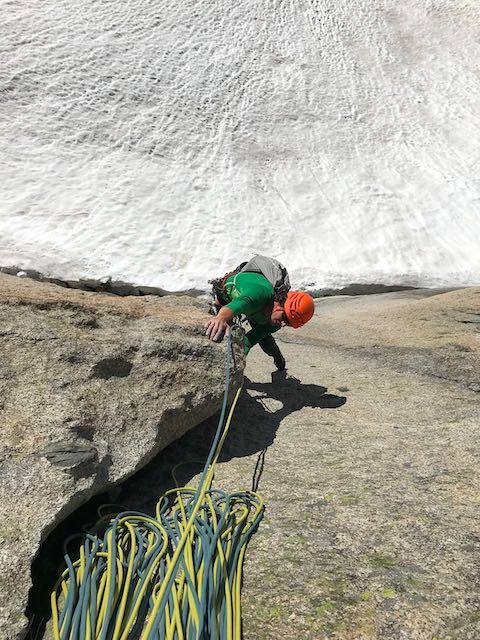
(252,295)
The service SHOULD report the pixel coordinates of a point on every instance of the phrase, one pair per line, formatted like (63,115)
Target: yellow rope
(175,576)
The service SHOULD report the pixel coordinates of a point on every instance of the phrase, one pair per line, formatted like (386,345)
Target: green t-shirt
(251,294)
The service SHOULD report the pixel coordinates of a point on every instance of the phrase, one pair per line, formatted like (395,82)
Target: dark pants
(270,347)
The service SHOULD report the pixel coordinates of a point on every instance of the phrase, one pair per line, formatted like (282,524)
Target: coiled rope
(175,576)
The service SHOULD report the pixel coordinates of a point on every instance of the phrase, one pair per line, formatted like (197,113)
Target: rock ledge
(92,387)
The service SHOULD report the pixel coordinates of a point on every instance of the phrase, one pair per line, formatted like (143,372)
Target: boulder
(92,387)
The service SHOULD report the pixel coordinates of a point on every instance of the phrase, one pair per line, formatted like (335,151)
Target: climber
(260,290)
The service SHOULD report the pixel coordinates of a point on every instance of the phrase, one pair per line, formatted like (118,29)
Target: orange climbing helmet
(299,308)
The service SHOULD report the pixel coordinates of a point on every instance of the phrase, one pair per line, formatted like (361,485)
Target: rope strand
(174,576)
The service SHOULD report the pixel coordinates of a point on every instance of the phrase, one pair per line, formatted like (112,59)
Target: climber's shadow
(260,410)
(263,407)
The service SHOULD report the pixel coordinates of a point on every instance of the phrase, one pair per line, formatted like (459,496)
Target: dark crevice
(48,564)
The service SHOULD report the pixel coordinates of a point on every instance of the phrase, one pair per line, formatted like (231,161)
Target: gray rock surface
(91,387)
(367,455)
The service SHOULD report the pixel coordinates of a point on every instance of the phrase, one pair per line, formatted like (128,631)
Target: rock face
(91,388)
(367,455)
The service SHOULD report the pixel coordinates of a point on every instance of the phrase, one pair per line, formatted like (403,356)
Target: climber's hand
(215,328)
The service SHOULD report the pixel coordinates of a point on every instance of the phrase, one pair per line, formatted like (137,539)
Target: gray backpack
(274,272)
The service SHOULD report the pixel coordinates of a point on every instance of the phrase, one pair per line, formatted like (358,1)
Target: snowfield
(161,143)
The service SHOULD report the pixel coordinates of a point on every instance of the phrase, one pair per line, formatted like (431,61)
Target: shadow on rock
(260,410)
(253,430)
(256,422)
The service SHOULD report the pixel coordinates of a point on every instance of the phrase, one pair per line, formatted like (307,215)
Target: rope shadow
(293,396)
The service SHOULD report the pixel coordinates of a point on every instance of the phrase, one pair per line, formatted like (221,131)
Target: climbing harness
(174,576)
